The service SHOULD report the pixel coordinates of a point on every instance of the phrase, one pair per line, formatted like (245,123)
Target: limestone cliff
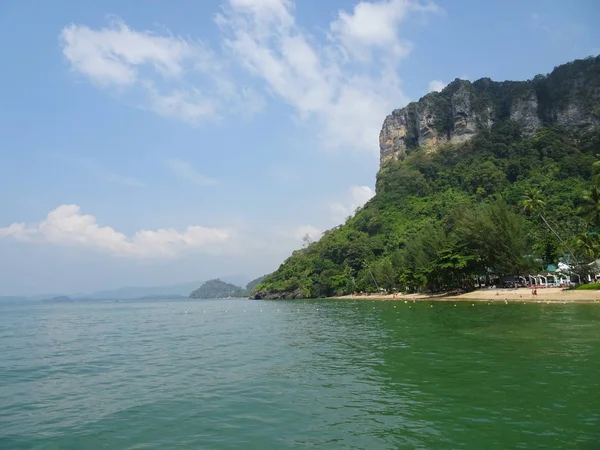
(569,96)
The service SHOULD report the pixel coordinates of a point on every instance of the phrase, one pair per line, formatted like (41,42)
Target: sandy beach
(546,295)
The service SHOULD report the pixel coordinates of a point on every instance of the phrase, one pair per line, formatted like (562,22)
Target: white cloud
(361,195)
(357,196)
(251,102)
(297,233)
(277,10)
(345,81)
(185,171)
(194,85)
(375,25)
(560,31)
(116,54)
(188,105)
(436,85)
(331,82)
(66,225)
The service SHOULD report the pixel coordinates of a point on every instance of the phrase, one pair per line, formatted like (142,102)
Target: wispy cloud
(194,86)
(344,80)
(101,173)
(374,26)
(185,171)
(562,32)
(67,226)
(297,233)
(436,85)
(356,197)
(347,82)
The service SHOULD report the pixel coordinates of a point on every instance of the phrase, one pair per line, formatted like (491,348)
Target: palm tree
(534,203)
(596,169)
(588,246)
(590,205)
(533,200)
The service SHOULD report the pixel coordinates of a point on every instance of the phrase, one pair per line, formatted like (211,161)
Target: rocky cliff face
(569,96)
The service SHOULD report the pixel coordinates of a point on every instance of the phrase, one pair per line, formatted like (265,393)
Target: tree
(590,205)
(306,240)
(416,262)
(385,275)
(497,235)
(456,266)
(534,203)
(587,246)
(533,200)
(436,224)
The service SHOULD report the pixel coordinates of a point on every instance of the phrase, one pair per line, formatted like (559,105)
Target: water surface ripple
(240,374)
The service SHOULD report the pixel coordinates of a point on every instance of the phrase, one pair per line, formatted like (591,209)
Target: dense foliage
(215,289)
(504,203)
(587,287)
(249,289)
(500,204)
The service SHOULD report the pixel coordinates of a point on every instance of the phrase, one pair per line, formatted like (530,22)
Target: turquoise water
(237,374)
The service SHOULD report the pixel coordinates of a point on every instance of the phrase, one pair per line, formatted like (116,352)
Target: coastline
(522,295)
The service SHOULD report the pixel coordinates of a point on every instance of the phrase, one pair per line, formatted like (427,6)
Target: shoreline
(521,295)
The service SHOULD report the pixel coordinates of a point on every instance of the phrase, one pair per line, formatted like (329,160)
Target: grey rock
(524,110)
(569,96)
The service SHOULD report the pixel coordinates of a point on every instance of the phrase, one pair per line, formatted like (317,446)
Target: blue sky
(185,140)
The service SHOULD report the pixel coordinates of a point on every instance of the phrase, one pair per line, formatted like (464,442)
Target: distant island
(179,291)
(226,287)
(61,299)
(67,299)
(217,288)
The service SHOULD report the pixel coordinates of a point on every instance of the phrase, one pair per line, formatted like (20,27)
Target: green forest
(215,289)
(500,204)
(504,203)
(249,289)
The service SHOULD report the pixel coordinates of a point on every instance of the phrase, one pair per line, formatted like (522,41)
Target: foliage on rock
(215,289)
(480,180)
(452,218)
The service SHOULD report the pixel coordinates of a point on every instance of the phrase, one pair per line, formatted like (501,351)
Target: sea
(300,374)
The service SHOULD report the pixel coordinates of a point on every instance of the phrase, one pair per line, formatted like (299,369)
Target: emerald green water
(236,374)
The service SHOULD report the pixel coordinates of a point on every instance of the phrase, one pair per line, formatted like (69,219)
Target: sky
(149,143)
